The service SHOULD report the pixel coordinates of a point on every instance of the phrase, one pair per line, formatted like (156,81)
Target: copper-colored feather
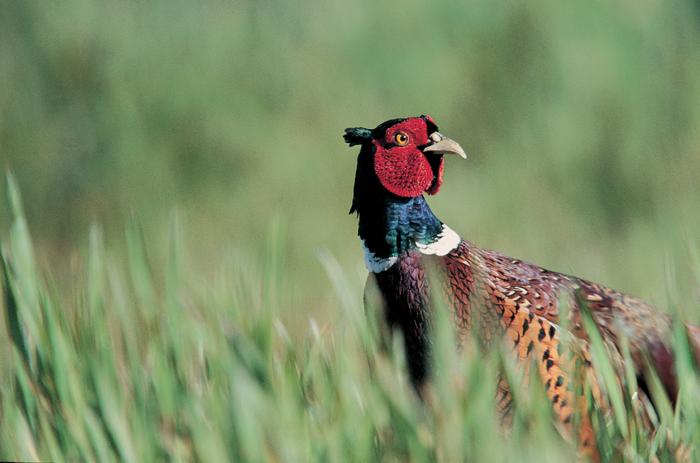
(521,303)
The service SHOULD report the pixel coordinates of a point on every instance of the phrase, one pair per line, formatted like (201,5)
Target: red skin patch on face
(405,170)
(437,183)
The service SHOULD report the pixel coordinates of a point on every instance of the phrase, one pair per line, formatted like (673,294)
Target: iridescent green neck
(391,226)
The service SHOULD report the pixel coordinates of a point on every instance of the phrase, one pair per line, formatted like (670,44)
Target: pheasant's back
(485,282)
(498,281)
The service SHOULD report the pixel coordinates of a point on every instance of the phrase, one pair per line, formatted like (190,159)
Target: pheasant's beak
(440,144)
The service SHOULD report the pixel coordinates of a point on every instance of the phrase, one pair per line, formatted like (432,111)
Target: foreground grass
(143,368)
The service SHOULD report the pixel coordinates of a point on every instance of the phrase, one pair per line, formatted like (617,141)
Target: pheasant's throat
(395,226)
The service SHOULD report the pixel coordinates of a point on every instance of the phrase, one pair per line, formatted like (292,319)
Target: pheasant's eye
(401,139)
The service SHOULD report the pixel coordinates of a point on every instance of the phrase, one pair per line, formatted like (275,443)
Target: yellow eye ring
(401,139)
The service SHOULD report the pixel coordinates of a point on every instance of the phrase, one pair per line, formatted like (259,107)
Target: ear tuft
(432,126)
(357,136)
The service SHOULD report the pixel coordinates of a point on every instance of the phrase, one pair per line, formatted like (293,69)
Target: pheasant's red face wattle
(401,156)
(399,161)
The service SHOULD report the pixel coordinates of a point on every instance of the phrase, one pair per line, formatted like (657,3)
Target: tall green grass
(137,363)
(234,326)
(132,368)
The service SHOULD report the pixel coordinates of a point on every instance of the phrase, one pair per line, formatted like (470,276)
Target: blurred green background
(581,120)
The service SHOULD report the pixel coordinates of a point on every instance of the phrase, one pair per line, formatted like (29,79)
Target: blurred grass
(206,371)
(141,367)
(224,118)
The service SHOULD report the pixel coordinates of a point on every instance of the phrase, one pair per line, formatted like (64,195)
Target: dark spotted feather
(504,298)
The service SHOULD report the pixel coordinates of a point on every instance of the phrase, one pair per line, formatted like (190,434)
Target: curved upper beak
(440,144)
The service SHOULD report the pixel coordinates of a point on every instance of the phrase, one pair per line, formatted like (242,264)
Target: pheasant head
(399,160)
(406,154)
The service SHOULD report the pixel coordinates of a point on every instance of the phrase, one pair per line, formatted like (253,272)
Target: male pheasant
(501,297)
